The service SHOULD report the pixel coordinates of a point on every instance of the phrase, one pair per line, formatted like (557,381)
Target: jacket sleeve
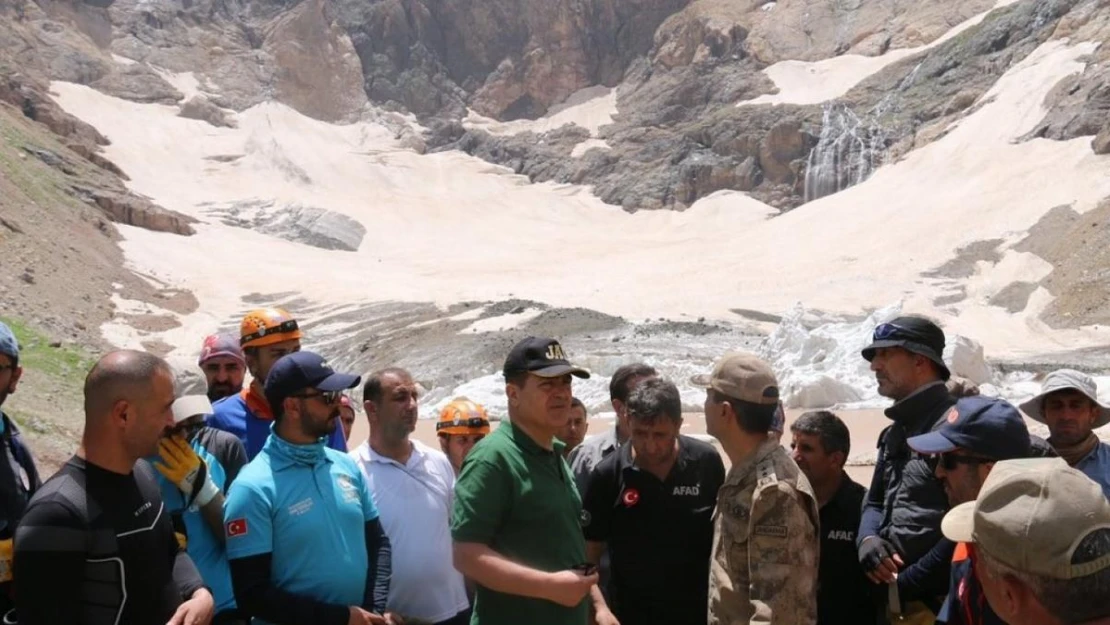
(871,519)
(258,597)
(928,577)
(782,558)
(380,558)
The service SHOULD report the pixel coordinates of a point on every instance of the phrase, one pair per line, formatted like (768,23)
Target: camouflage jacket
(765,544)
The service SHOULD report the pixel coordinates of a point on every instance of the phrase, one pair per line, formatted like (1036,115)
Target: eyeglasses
(472,422)
(951,461)
(284,327)
(328,397)
(188,431)
(885,331)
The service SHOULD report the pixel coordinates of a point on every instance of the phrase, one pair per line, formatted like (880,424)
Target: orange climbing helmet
(266,326)
(462,416)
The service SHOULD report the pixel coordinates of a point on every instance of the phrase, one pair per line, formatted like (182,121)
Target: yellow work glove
(6,560)
(184,468)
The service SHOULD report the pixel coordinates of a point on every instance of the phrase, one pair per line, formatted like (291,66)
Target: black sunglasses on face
(328,397)
(188,431)
(951,461)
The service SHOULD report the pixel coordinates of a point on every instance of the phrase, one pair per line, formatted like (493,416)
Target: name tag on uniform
(777,531)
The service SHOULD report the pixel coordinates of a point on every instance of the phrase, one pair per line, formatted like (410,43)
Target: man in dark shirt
(899,542)
(977,432)
(651,504)
(96,545)
(820,446)
(18,477)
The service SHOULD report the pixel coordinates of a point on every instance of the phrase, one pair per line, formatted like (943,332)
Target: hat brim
(959,524)
(1032,407)
(930,443)
(703,380)
(556,371)
(868,353)
(338,382)
(236,356)
(189,406)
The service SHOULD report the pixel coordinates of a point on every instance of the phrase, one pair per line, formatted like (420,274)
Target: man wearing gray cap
(18,477)
(1039,534)
(763,567)
(1068,404)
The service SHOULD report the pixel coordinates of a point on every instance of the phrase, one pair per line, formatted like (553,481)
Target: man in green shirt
(515,521)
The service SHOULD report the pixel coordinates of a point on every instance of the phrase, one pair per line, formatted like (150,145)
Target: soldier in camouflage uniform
(765,539)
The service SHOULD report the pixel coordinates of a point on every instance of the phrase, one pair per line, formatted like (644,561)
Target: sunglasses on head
(328,397)
(950,461)
(283,328)
(885,331)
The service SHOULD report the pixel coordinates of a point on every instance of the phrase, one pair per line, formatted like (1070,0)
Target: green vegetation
(64,363)
(42,184)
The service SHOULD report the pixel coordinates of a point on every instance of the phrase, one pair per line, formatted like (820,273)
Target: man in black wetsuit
(96,545)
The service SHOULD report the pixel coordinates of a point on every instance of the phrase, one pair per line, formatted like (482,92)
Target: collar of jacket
(920,406)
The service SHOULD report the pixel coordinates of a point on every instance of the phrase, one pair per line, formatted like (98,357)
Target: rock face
(293,222)
(504,58)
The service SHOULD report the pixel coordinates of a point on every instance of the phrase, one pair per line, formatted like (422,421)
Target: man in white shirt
(412,486)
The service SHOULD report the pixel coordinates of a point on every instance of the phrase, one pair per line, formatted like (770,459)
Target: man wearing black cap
(900,528)
(304,541)
(976,433)
(515,520)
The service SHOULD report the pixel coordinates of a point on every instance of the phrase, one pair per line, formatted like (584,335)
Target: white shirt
(414,503)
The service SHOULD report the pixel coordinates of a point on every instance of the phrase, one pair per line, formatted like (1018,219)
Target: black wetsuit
(98,548)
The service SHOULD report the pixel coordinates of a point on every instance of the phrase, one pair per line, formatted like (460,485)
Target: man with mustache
(899,540)
(266,335)
(411,485)
(221,360)
(1068,404)
(977,432)
(515,517)
(304,540)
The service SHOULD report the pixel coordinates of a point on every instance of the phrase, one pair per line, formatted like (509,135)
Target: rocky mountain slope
(786,101)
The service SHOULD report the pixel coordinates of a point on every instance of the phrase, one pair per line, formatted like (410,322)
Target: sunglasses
(885,331)
(472,422)
(283,328)
(188,431)
(951,461)
(328,397)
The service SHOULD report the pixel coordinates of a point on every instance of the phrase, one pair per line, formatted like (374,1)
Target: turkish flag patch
(630,497)
(236,527)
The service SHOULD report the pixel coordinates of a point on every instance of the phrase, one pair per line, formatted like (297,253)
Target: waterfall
(847,152)
(849,148)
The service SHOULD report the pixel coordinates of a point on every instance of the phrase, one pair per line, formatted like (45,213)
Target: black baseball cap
(295,372)
(913,334)
(543,357)
(986,426)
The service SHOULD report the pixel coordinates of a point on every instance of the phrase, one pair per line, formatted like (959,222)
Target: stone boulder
(134,210)
(138,83)
(308,225)
(201,108)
